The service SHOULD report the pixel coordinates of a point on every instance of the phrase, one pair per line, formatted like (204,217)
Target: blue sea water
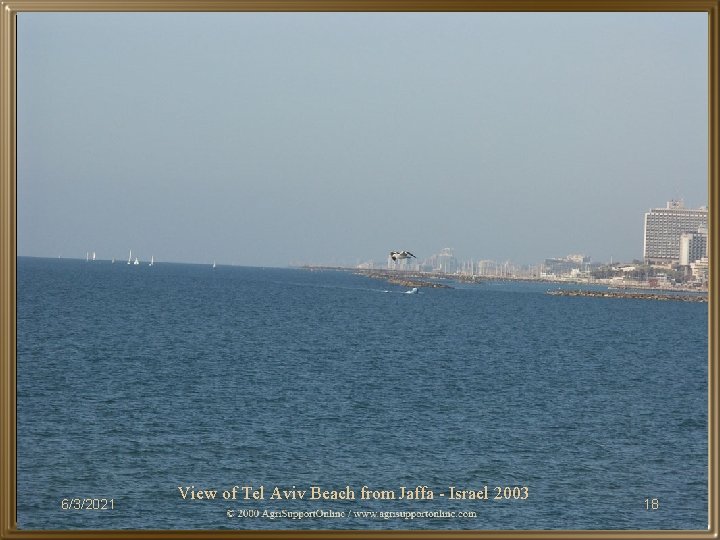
(134,381)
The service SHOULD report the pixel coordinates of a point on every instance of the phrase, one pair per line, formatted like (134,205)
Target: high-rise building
(693,246)
(665,226)
(445,261)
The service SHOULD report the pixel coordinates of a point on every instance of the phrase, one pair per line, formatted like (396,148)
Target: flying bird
(397,255)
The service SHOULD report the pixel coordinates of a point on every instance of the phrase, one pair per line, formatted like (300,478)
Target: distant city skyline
(268,139)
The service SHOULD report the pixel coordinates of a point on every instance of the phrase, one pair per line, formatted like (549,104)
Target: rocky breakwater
(624,294)
(404,280)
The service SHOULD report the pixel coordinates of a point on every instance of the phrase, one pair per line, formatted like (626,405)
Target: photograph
(343,269)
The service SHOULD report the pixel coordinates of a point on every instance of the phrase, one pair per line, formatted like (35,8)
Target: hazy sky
(271,139)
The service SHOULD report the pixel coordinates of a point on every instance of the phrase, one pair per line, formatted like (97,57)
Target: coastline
(412,278)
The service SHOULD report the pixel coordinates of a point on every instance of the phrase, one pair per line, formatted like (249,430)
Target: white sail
(130,257)
(152,260)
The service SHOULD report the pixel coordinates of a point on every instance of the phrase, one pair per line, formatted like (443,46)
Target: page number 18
(652,504)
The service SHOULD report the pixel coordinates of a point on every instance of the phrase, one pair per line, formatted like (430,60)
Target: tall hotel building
(664,228)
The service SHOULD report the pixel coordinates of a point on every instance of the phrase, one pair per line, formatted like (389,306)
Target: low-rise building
(571,264)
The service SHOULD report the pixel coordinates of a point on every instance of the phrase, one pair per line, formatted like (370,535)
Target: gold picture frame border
(8,245)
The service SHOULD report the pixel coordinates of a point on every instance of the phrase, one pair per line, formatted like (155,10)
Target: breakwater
(626,294)
(404,279)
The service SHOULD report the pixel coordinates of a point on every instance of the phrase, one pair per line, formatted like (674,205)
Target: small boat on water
(130,257)
(414,290)
(136,261)
(152,260)
(213,264)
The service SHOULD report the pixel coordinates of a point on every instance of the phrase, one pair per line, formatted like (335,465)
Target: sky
(275,139)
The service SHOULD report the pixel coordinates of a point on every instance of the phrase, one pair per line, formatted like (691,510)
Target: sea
(182,396)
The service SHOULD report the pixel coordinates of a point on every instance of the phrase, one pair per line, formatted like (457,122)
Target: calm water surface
(135,380)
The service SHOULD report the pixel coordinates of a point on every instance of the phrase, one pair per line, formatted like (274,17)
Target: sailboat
(136,261)
(130,257)
(93,255)
(87,256)
(213,264)
(152,260)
